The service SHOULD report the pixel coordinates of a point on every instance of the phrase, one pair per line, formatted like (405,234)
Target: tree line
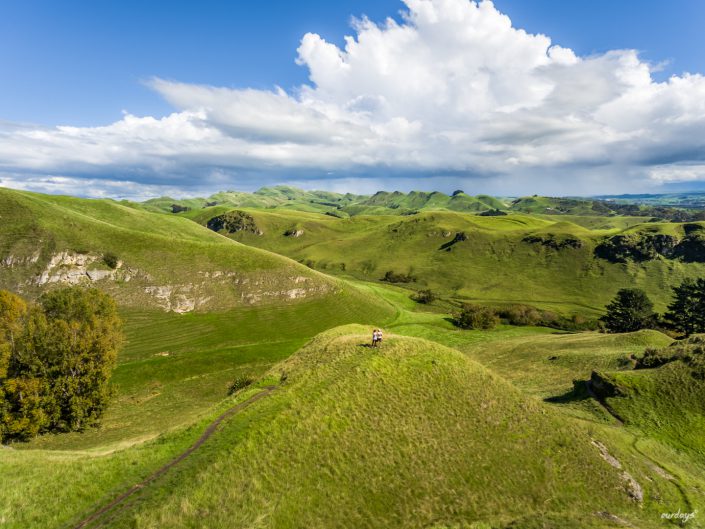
(630,310)
(56,359)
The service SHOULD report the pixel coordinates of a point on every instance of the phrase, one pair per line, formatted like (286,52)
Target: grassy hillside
(250,308)
(667,401)
(395,437)
(174,368)
(160,261)
(542,260)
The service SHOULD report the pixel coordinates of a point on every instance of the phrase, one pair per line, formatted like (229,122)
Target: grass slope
(544,261)
(395,437)
(166,261)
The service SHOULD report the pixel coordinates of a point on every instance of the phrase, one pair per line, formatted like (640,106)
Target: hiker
(375,337)
(379,337)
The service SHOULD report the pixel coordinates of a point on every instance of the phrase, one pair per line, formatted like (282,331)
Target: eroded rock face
(177,298)
(13,260)
(233,222)
(258,291)
(212,289)
(691,249)
(637,247)
(294,233)
(72,268)
(646,247)
(631,486)
(603,386)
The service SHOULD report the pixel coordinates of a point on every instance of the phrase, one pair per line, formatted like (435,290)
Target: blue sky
(83,63)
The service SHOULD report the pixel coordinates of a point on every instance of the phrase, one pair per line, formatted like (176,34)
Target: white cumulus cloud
(453,91)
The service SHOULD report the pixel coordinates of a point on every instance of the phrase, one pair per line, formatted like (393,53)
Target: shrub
(690,351)
(493,213)
(525,315)
(476,317)
(240,383)
(177,208)
(424,296)
(111,260)
(520,315)
(393,277)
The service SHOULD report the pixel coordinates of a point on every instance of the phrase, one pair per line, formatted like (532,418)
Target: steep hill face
(144,259)
(546,261)
(410,435)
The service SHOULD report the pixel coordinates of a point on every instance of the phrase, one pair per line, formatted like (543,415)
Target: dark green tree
(686,313)
(629,311)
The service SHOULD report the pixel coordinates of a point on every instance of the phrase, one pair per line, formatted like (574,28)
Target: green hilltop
(390,438)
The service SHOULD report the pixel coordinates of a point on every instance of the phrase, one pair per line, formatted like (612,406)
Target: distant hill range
(676,208)
(681,200)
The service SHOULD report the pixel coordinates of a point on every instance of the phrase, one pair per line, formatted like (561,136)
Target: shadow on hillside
(578,393)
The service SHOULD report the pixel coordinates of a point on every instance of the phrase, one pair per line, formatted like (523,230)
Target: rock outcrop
(636,247)
(73,268)
(294,232)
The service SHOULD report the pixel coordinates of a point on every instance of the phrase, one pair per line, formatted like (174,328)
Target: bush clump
(527,315)
(111,260)
(424,296)
(473,316)
(240,383)
(690,351)
(233,222)
(397,277)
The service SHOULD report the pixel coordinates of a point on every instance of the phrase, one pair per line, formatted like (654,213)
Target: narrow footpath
(98,515)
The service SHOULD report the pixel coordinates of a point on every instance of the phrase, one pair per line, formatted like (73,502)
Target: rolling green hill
(398,203)
(158,261)
(199,309)
(395,437)
(545,261)
(441,428)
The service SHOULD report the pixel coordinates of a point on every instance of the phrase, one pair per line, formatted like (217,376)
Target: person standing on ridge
(375,337)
